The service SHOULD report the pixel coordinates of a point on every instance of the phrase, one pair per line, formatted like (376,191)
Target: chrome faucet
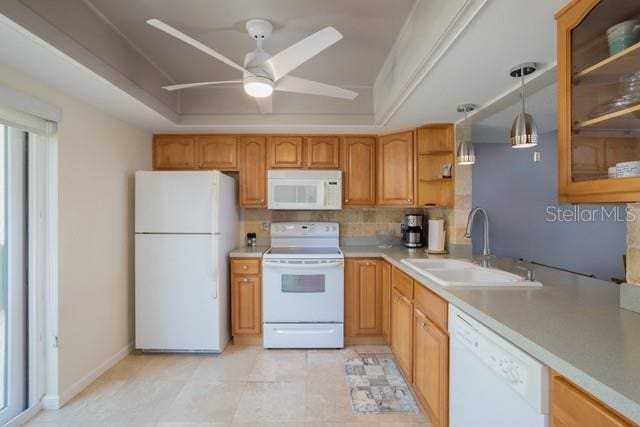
(467,234)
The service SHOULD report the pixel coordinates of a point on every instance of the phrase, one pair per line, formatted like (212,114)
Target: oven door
(303,290)
(296,194)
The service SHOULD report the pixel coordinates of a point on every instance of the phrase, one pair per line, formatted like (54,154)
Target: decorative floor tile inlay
(377,386)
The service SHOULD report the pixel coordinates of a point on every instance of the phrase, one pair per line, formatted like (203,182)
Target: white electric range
(303,286)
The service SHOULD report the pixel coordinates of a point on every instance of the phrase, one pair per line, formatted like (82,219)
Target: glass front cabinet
(599,101)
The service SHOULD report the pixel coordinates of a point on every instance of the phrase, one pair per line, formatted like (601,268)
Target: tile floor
(244,386)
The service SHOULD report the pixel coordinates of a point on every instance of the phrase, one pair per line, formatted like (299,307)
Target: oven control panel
(302,229)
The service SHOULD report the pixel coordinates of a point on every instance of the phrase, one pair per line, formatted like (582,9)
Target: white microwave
(304,189)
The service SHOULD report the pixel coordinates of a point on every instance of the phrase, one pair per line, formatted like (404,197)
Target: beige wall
(633,246)
(97,157)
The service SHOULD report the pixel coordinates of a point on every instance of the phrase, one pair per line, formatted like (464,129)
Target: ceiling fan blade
(298,85)
(193,42)
(265,105)
(188,85)
(290,58)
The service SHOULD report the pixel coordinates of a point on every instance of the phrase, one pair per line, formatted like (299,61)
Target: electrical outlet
(265,226)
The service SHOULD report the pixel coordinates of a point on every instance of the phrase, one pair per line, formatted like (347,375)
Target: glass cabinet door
(605,93)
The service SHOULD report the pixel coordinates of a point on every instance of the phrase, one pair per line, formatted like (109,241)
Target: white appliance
(305,189)
(303,287)
(185,225)
(492,382)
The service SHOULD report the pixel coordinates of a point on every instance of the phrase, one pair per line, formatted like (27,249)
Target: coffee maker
(413,231)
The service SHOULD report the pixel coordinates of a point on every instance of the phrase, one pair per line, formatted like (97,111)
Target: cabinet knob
(261,200)
(244,279)
(424,325)
(244,267)
(346,200)
(409,200)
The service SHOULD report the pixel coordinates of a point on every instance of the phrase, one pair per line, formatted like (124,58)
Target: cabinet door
(246,305)
(253,173)
(217,152)
(359,166)
(173,152)
(402,332)
(284,152)
(431,367)
(385,312)
(395,170)
(571,407)
(322,152)
(363,297)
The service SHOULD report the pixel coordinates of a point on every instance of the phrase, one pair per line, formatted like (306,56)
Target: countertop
(248,252)
(573,324)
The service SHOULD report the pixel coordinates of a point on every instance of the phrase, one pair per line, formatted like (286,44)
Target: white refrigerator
(185,225)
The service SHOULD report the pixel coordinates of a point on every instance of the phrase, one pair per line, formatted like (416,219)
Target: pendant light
(465,154)
(524,132)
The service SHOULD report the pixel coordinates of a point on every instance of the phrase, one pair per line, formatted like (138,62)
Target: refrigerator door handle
(214,265)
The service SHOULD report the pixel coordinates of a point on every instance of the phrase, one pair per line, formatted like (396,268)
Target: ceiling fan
(263,73)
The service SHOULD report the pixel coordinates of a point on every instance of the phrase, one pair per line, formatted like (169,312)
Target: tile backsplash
(353,222)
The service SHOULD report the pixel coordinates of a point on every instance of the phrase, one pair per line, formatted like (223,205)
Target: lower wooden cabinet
(402,332)
(431,367)
(572,407)
(246,297)
(385,312)
(363,297)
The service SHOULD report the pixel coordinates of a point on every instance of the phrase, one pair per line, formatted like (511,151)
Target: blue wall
(516,192)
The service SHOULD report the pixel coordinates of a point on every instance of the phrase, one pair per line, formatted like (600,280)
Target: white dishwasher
(492,382)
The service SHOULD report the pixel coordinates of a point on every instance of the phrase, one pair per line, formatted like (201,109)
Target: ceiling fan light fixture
(258,87)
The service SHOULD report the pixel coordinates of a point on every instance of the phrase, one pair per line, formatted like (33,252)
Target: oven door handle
(293,266)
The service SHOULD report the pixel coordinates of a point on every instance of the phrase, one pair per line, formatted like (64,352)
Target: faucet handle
(531,275)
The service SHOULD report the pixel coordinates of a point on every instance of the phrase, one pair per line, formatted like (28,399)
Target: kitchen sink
(456,273)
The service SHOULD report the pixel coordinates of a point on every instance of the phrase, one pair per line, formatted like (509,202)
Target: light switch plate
(537,156)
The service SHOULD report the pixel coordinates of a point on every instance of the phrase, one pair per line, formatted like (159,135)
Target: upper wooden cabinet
(572,407)
(173,152)
(435,151)
(395,170)
(359,166)
(363,297)
(598,103)
(216,152)
(322,152)
(253,172)
(284,152)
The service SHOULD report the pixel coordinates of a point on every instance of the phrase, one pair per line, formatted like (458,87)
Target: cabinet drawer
(402,282)
(246,266)
(434,307)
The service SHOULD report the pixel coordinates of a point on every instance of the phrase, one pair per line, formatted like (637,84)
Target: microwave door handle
(321,194)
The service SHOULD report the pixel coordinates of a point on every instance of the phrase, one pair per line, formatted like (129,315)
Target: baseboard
(50,402)
(247,340)
(364,340)
(82,383)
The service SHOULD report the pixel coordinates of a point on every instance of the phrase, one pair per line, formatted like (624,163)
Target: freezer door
(177,293)
(177,202)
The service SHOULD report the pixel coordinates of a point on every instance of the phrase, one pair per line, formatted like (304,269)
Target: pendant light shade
(465,155)
(524,132)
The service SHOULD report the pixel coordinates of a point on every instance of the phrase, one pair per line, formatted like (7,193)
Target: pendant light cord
(522,88)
